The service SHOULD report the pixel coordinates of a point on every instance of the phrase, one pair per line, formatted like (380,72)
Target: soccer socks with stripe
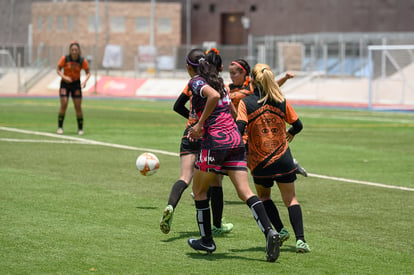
(204,220)
(259,214)
(216,196)
(273,214)
(176,192)
(295,216)
(61,118)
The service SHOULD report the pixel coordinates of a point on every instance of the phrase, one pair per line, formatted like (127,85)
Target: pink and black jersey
(220,130)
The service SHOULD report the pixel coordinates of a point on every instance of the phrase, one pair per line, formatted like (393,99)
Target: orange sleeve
(61,63)
(242,112)
(186,91)
(85,65)
(291,115)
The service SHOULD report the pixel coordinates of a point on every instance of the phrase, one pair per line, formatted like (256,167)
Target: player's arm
(179,105)
(241,120)
(85,67)
(59,68)
(295,128)
(212,98)
(282,80)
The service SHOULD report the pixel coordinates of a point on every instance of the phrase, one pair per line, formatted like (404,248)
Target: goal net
(391,76)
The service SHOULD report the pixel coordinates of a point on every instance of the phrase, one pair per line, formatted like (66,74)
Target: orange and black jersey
(266,129)
(237,93)
(72,68)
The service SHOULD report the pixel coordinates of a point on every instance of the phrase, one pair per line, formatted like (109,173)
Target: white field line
(78,140)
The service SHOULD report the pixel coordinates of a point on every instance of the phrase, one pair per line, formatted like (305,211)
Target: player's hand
(83,84)
(67,79)
(195,132)
(289,75)
(289,136)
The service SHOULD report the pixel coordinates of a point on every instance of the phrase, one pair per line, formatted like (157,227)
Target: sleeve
(179,105)
(293,119)
(242,119)
(85,65)
(61,63)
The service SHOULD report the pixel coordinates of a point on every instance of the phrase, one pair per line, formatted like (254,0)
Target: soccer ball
(147,164)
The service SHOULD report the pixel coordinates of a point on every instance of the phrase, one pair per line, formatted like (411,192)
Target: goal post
(391,76)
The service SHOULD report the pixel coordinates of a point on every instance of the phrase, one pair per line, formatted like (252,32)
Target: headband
(238,65)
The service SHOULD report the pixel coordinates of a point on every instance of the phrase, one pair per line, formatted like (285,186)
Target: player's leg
(77,102)
(299,169)
(217,204)
(241,183)
(263,189)
(201,183)
(287,191)
(187,171)
(64,98)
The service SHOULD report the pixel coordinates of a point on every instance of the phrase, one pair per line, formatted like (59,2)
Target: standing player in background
(188,154)
(70,85)
(265,114)
(241,87)
(221,152)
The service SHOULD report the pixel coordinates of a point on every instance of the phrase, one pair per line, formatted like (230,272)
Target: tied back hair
(264,80)
(210,68)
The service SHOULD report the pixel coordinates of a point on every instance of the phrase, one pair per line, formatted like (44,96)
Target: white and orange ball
(147,164)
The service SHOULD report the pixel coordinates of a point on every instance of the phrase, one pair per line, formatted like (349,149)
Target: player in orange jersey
(70,85)
(265,114)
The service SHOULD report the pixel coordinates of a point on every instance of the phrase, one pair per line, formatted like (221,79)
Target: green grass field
(71,208)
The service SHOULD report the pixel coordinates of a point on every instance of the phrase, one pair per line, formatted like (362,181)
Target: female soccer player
(70,85)
(188,154)
(265,113)
(222,151)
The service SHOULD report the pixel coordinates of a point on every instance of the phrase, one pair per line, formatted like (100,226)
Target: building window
(118,24)
(164,25)
(59,23)
(142,24)
(212,8)
(91,23)
(70,23)
(39,23)
(49,23)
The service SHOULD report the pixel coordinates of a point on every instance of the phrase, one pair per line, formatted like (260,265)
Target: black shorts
(282,171)
(70,89)
(189,147)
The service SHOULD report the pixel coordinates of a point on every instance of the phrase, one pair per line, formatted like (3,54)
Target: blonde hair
(264,79)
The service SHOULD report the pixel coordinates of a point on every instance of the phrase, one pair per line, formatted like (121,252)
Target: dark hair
(244,65)
(209,69)
(194,57)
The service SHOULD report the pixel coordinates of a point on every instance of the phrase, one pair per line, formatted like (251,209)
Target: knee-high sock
(216,193)
(61,118)
(295,216)
(273,214)
(176,192)
(259,214)
(80,123)
(204,220)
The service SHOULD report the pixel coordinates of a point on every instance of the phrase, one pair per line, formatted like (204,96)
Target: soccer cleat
(225,228)
(300,169)
(302,247)
(272,245)
(198,244)
(166,220)
(59,131)
(80,132)
(192,195)
(284,235)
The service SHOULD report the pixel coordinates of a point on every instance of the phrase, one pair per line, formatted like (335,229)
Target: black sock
(217,205)
(204,220)
(176,192)
(295,216)
(273,214)
(80,123)
(61,118)
(259,214)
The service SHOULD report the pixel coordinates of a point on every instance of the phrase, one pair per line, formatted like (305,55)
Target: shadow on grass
(220,256)
(181,235)
(146,207)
